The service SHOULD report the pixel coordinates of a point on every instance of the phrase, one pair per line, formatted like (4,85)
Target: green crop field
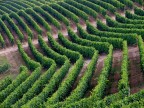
(71,54)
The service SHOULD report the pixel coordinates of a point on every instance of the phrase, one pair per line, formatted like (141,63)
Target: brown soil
(64,29)
(82,72)
(136,78)
(29,53)
(73,25)
(15,61)
(82,22)
(122,13)
(136,75)
(136,4)
(44,30)
(102,19)
(92,21)
(54,31)
(111,15)
(115,73)
(97,72)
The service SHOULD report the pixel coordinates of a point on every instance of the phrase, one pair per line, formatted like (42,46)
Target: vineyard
(71,54)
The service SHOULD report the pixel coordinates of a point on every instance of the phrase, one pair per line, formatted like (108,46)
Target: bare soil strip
(136,76)
(114,76)
(82,72)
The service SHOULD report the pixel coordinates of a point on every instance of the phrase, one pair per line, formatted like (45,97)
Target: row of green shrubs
(65,12)
(38,18)
(116,42)
(130,38)
(124,81)
(113,23)
(40,83)
(95,7)
(22,24)
(31,64)
(13,26)
(74,10)
(98,91)
(21,89)
(82,7)
(47,17)
(84,50)
(102,47)
(30,21)
(15,83)
(103,27)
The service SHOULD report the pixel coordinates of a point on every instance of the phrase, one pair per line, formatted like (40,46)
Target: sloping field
(72,53)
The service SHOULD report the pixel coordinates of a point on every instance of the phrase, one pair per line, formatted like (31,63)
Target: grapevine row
(21,89)
(15,83)
(32,65)
(116,42)
(13,26)
(54,81)
(131,38)
(100,46)
(30,21)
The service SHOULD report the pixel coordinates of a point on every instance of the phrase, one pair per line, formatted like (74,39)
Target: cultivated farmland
(71,54)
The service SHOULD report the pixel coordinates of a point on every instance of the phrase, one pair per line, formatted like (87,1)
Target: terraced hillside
(72,53)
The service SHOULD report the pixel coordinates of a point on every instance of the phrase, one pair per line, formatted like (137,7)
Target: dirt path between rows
(115,75)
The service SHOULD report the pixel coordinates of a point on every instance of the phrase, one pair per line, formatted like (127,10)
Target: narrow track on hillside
(136,78)
(115,73)
(82,72)
(99,66)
